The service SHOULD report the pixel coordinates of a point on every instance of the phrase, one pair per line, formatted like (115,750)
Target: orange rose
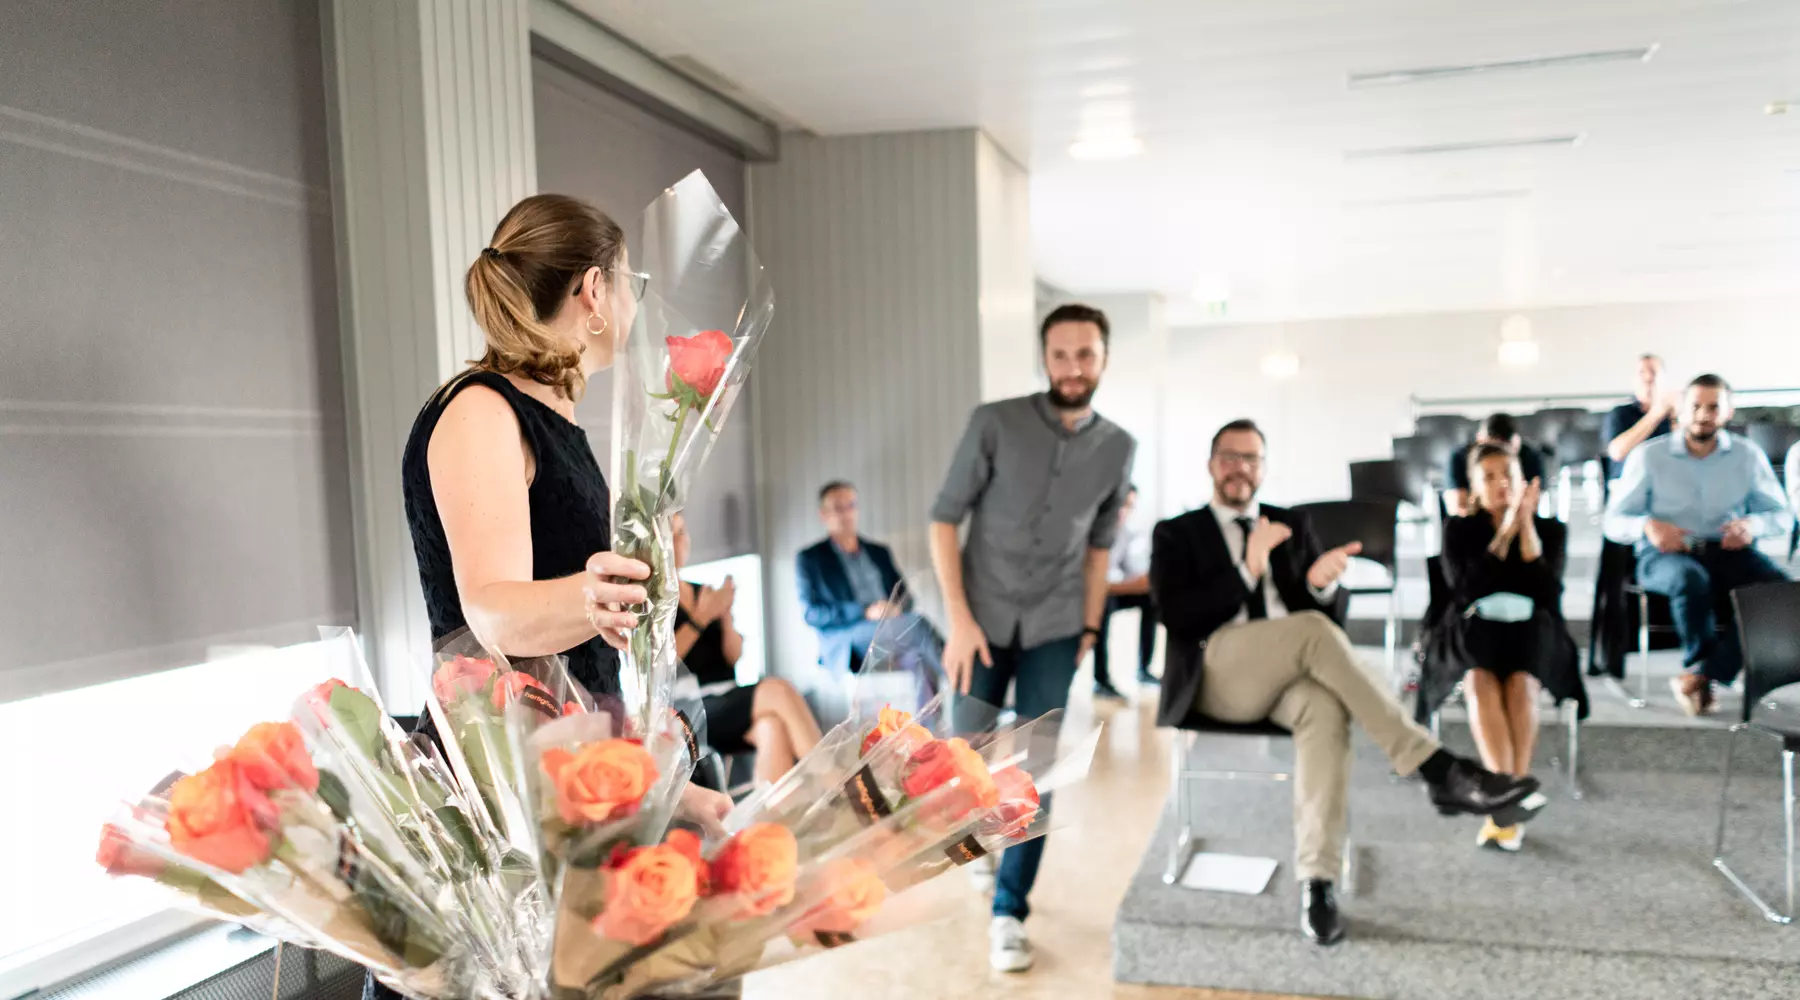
(513,684)
(688,844)
(119,856)
(853,895)
(941,761)
(652,889)
(758,862)
(1017,807)
(699,361)
(272,755)
(573,708)
(890,721)
(318,698)
(218,817)
(460,675)
(600,781)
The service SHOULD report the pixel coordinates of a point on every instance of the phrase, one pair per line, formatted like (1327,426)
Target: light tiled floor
(1086,868)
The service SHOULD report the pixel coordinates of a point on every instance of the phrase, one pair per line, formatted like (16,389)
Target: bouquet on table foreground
(550,856)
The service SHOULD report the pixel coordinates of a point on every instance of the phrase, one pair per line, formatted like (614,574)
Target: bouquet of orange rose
(701,317)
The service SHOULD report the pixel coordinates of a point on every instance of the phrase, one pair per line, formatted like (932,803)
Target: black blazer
(1196,588)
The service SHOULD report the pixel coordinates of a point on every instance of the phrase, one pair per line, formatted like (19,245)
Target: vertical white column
(431,130)
(1131,392)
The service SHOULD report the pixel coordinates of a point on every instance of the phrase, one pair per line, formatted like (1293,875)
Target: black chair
(1186,734)
(1433,714)
(1775,440)
(1380,480)
(1452,427)
(1766,614)
(1371,522)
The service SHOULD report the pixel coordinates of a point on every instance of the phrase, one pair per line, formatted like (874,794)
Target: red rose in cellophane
(699,361)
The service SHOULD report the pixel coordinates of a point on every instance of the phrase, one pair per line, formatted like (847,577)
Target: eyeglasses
(1229,458)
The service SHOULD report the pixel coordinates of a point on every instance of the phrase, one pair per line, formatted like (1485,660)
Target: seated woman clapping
(1504,632)
(770,716)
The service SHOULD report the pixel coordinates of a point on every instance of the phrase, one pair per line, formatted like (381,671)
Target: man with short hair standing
(1040,480)
(1651,413)
(1500,429)
(1694,505)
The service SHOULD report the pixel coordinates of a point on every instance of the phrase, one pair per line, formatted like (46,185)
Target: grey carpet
(1613,896)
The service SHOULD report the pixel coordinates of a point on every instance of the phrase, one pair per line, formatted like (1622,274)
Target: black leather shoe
(1470,789)
(1319,919)
(1146,677)
(1108,691)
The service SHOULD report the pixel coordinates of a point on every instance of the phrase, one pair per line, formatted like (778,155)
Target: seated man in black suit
(845,582)
(1245,593)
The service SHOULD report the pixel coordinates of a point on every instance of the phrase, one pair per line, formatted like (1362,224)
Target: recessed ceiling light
(1484,145)
(1426,74)
(1114,147)
(1499,194)
(1212,288)
(1280,365)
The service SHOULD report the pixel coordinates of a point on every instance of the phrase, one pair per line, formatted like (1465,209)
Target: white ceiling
(1682,187)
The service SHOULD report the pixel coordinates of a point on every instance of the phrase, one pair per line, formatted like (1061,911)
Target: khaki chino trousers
(1300,672)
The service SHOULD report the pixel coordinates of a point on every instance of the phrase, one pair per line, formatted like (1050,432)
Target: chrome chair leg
(1572,721)
(1346,884)
(1391,635)
(1643,698)
(1182,851)
(1787,811)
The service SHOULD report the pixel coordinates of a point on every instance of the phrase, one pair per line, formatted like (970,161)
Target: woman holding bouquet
(769,717)
(509,512)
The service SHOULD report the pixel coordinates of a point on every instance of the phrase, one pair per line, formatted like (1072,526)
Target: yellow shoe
(1489,831)
(1510,839)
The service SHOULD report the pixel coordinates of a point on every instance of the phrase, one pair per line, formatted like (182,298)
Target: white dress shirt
(1130,555)
(1234,542)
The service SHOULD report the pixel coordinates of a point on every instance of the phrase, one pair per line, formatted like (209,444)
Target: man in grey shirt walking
(1040,479)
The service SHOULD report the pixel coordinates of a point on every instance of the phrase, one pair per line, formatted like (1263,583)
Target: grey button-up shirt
(1037,496)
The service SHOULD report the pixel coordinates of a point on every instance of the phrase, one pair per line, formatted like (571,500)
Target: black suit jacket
(1197,589)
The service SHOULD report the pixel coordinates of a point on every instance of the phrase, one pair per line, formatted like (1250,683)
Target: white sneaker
(982,873)
(1009,950)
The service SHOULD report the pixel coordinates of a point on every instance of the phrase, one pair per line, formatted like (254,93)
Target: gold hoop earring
(590,324)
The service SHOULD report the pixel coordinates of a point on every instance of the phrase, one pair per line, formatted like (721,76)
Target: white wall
(1356,376)
(1132,390)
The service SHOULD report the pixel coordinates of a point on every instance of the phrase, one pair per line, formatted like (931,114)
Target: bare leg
(1522,716)
(778,699)
(774,754)
(1488,720)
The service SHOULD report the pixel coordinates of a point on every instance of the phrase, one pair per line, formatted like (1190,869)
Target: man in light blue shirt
(1693,504)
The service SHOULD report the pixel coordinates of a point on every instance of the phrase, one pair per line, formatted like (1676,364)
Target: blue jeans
(1042,675)
(1698,585)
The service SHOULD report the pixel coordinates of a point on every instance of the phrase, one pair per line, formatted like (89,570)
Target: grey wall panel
(172,453)
(873,363)
(595,145)
(430,105)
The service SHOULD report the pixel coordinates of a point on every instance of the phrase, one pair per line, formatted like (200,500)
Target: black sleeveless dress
(571,512)
(571,519)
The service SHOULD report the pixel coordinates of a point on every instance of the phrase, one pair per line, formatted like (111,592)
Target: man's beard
(1228,489)
(1697,434)
(1078,401)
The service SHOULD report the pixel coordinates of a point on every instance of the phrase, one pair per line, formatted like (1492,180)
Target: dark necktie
(1254,603)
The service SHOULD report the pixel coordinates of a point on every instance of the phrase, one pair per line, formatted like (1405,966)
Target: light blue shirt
(863,574)
(1698,495)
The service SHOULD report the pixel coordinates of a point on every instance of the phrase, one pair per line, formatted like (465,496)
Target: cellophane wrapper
(339,832)
(675,378)
(875,881)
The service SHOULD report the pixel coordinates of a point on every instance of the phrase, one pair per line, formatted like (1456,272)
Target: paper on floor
(1229,873)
